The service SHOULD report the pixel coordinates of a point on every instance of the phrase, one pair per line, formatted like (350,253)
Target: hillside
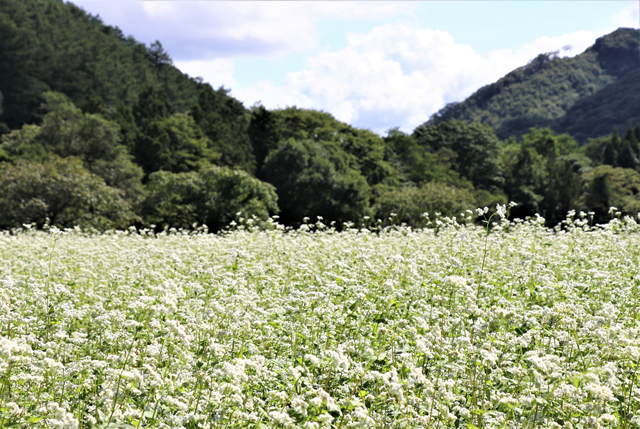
(585,95)
(48,45)
(614,105)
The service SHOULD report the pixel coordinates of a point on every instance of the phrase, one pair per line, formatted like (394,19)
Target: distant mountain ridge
(585,95)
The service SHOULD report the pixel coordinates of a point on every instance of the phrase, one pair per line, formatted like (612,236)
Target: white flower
(482,212)
(325,418)
(458,282)
(281,418)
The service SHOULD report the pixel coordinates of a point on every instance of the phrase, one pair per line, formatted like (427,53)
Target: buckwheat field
(457,325)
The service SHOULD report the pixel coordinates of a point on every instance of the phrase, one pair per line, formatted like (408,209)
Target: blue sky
(375,64)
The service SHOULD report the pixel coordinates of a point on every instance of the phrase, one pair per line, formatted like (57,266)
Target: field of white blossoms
(448,326)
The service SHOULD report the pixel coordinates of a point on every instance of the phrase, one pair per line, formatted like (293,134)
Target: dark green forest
(100,131)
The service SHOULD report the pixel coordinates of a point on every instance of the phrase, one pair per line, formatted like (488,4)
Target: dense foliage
(214,196)
(59,192)
(48,45)
(78,99)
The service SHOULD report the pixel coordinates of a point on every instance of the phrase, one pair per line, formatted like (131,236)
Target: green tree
(165,140)
(3,127)
(177,145)
(348,147)
(408,204)
(418,164)
(543,174)
(630,137)
(264,134)
(310,182)
(225,121)
(212,196)
(68,132)
(610,154)
(613,150)
(475,147)
(627,157)
(606,186)
(61,192)
(158,56)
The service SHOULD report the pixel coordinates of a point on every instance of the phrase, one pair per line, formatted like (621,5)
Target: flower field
(522,327)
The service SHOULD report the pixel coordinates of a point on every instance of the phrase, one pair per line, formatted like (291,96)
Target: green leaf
(576,381)
(368,356)
(357,403)
(471,426)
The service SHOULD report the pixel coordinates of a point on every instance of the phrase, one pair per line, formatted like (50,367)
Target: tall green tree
(68,132)
(60,192)
(212,196)
(165,140)
(225,121)
(419,164)
(543,174)
(475,147)
(606,186)
(613,150)
(158,56)
(358,149)
(264,134)
(3,127)
(310,183)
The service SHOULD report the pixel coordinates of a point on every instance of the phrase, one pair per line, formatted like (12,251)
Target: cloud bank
(398,75)
(201,30)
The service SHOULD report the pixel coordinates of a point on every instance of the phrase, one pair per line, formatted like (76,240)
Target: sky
(372,64)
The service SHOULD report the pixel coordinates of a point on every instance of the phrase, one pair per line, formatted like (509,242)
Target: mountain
(585,95)
(49,45)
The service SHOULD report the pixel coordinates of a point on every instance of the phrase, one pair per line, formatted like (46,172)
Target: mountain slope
(616,104)
(49,45)
(543,92)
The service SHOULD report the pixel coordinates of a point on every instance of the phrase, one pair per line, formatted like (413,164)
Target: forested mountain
(585,95)
(101,131)
(48,45)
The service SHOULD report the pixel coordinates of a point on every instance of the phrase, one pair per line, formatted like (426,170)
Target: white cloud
(629,16)
(273,96)
(202,30)
(218,72)
(398,75)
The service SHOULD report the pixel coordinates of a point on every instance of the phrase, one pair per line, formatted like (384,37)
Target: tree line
(150,165)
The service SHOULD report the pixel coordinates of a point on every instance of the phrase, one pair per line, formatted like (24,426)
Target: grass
(317,328)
